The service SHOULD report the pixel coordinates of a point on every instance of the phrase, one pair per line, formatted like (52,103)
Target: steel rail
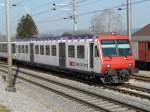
(84,91)
(141,78)
(122,89)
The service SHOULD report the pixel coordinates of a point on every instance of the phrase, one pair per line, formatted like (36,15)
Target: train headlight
(130,65)
(108,66)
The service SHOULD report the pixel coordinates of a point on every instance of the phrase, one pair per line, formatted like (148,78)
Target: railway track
(136,91)
(132,90)
(141,78)
(93,100)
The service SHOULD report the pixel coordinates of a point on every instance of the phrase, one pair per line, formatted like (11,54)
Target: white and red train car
(109,58)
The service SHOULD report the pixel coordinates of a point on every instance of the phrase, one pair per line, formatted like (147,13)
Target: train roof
(43,38)
(70,37)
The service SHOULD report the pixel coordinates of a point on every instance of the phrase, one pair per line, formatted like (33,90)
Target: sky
(49,21)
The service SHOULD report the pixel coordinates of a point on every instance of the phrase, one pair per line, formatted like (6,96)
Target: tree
(26,27)
(108,21)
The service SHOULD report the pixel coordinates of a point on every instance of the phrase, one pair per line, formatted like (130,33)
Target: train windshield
(116,47)
(124,48)
(109,48)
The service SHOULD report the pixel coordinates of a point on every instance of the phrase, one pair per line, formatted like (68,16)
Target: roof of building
(141,38)
(145,31)
(142,34)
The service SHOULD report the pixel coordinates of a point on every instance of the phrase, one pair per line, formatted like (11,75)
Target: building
(141,39)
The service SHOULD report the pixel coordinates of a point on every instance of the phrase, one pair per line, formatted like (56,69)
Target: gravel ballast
(31,98)
(58,103)
(18,102)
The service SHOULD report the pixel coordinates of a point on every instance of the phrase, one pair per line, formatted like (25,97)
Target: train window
(47,50)
(96,52)
(0,48)
(53,49)
(41,49)
(80,51)
(26,48)
(124,48)
(22,48)
(16,48)
(4,47)
(13,48)
(19,48)
(36,49)
(107,42)
(148,45)
(109,47)
(71,51)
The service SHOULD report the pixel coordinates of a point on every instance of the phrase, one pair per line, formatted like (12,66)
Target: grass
(4,109)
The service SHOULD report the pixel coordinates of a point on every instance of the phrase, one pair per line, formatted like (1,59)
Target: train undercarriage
(116,76)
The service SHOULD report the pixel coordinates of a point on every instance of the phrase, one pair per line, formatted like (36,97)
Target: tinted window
(47,50)
(119,47)
(96,52)
(22,48)
(80,51)
(41,50)
(13,48)
(19,48)
(107,42)
(53,50)
(109,48)
(36,49)
(124,48)
(71,51)
(26,48)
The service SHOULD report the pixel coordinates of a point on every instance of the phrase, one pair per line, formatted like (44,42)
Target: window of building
(71,51)
(80,51)
(36,49)
(53,50)
(47,50)
(41,49)
(26,49)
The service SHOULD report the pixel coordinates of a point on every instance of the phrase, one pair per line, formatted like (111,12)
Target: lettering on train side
(78,64)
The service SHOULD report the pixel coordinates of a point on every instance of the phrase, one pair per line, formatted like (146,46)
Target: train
(109,58)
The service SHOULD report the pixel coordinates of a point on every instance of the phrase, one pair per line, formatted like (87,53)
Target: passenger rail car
(109,58)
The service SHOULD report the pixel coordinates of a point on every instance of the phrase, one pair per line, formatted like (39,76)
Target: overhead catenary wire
(96,11)
(46,11)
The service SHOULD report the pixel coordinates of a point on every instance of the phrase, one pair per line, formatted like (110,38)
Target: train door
(31,53)
(62,55)
(97,65)
(91,56)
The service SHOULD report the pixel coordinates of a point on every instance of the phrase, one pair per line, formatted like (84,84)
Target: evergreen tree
(26,28)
